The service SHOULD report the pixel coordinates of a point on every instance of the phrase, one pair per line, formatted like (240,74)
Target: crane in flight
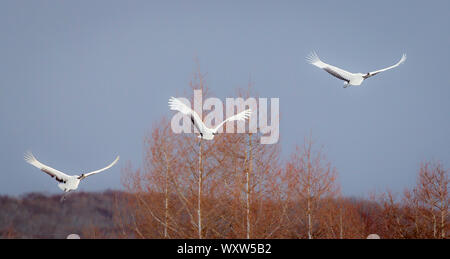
(67,183)
(349,78)
(205,132)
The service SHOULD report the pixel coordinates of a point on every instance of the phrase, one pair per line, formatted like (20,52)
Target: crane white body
(71,183)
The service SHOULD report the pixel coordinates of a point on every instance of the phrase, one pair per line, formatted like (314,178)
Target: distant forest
(36,215)
(105,215)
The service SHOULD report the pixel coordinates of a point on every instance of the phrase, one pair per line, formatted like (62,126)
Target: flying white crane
(67,183)
(349,78)
(205,132)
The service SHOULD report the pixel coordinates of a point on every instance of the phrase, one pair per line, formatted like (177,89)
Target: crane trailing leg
(63,198)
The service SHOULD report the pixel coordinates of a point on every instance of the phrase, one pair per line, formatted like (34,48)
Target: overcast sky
(83,81)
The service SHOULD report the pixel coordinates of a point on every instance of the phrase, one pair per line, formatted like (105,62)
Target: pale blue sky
(83,81)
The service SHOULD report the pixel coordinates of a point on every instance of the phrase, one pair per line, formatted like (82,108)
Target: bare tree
(310,179)
(430,200)
(423,211)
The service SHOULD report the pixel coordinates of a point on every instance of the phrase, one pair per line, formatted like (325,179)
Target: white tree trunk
(166,209)
(200,175)
(248,185)
(341,227)
(309,215)
(166,196)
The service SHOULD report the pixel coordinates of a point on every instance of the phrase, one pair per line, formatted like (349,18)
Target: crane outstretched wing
(178,105)
(58,175)
(384,69)
(103,169)
(240,116)
(335,71)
